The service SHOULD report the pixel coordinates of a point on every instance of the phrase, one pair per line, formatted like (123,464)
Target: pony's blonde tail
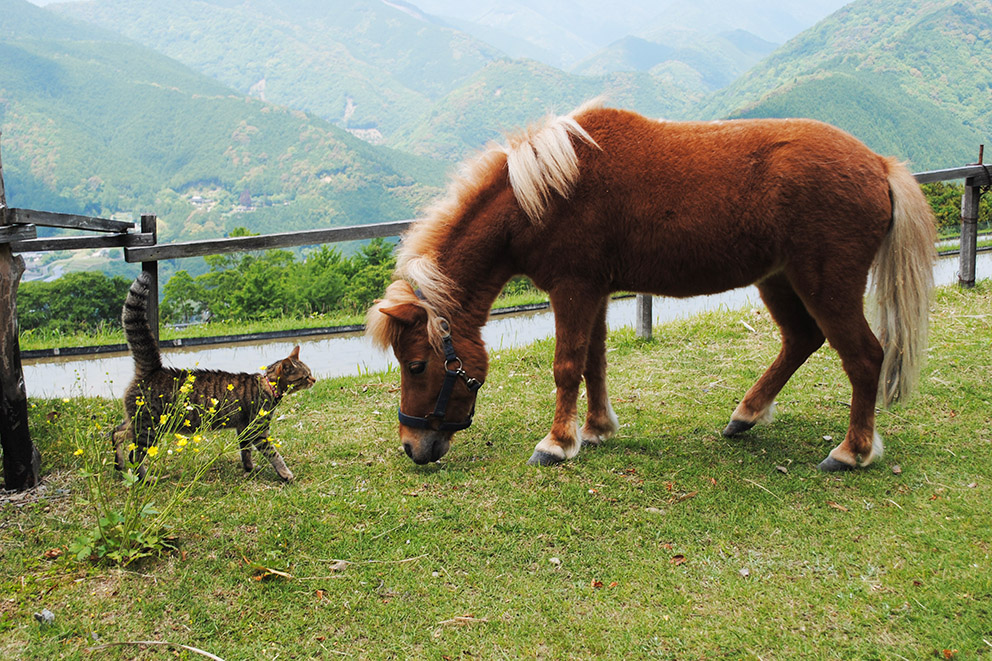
(902,286)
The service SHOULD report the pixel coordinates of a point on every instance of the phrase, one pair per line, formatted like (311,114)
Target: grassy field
(668,542)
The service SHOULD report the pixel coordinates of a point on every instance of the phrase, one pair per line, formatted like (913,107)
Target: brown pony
(605,200)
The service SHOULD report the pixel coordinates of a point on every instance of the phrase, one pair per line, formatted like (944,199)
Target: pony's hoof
(831,465)
(736,427)
(543,459)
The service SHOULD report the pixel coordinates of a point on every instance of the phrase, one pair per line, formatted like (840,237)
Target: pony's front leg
(573,326)
(601,420)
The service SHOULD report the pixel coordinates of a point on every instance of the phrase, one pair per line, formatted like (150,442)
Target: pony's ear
(405,313)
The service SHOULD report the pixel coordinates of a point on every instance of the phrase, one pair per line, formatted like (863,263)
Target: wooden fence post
(21,460)
(969,233)
(643,319)
(149,225)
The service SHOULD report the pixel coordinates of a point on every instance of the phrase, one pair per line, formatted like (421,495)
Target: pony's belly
(690,282)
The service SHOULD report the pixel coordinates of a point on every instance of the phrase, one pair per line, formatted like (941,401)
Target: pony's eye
(416,367)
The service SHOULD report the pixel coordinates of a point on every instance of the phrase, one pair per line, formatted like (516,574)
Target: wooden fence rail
(140,245)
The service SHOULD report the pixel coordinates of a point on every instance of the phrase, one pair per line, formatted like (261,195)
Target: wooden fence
(139,242)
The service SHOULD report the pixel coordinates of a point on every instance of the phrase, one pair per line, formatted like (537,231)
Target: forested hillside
(108,127)
(912,79)
(365,65)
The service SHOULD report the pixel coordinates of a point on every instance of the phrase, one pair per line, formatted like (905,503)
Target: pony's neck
(480,286)
(479,269)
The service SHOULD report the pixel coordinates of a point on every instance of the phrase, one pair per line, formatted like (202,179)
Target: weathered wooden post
(969,233)
(21,460)
(973,190)
(643,316)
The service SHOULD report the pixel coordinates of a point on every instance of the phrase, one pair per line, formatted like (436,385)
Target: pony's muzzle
(425,446)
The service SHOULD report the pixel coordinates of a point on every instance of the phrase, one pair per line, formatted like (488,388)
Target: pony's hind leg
(801,336)
(573,332)
(861,356)
(601,420)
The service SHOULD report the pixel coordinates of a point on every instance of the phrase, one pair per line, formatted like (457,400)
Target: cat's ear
(295,355)
(406,313)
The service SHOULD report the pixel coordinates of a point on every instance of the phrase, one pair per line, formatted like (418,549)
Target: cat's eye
(416,367)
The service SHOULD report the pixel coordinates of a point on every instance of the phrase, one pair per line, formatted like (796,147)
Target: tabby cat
(233,400)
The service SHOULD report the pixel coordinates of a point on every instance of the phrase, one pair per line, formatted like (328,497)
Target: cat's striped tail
(134,318)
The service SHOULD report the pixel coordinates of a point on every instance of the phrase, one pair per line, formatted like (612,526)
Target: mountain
(559,33)
(774,21)
(365,65)
(509,94)
(96,124)
(709,62)
(911,79)
(568,33)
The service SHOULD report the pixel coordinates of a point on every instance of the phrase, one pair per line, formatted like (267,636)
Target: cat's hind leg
(120,437)
(246,456)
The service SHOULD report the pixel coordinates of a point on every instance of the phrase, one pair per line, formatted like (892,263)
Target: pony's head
(441,370)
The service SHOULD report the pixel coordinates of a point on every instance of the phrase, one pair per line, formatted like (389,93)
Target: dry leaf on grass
(262,572)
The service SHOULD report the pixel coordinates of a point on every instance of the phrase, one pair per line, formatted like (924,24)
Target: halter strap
(435,420)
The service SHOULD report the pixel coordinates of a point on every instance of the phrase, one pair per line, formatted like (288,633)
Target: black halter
(435,420)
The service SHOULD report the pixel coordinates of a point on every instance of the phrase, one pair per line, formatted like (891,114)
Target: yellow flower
(187,423)
(139,401)
(78,452)
(197,438)
(65,400)
(152,451)
(230,386)
(165,418)
(132,447)
(214,401)
(262,413)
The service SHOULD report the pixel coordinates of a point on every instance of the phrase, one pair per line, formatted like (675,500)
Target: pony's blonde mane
(384,330)
(543,160)
(538,162)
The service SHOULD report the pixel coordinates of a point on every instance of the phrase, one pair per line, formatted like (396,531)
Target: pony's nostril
(408,449)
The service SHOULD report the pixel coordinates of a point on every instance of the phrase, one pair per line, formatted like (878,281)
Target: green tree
(370,272)
(76,301)
(321,280)
(183,298)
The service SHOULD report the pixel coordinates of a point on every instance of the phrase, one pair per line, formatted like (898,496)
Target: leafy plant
(130,522)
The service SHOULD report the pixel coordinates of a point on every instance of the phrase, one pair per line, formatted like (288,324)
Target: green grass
(668,542)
